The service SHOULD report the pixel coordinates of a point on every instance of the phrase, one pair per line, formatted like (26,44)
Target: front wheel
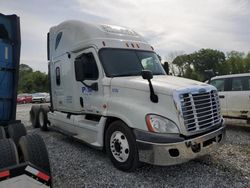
(121,146)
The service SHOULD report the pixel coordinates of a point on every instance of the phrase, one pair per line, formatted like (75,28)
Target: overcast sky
(169,25)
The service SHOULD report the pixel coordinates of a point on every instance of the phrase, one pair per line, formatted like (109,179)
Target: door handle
(81,102)
(221,96)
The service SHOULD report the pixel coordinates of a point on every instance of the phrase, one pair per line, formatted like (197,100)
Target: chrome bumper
(179,152)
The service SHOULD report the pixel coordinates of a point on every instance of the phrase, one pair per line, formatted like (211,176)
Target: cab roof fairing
(76,33)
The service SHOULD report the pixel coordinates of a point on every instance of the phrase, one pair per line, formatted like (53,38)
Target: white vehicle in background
(40,98)
(108,89)
(234,94)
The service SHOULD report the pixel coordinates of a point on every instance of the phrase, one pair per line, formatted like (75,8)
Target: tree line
(201,64)
(32,81)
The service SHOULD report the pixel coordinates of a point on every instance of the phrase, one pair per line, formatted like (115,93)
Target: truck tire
(120,146)
(34,116)
(2,133)
(33,149)
(43,118)
(16,131)
(8,154)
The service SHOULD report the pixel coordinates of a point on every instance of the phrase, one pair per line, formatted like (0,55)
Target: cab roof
(73,34)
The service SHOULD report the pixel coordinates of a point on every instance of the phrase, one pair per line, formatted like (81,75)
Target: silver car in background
(40,97)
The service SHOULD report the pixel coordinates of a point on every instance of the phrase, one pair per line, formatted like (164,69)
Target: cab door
(238,97)
(221,84)
(56,83)
(91,88)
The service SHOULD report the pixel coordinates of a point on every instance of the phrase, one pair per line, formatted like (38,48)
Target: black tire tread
(34,116)
(16,131)
(34,150)
(43,110)
(2,133)
(8,154)
(133,162)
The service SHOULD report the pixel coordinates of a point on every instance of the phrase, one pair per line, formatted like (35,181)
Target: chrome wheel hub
(119,146)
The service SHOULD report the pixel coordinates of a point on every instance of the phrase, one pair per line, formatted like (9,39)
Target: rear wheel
(8,154)
(2,133)
(43,118)
(33,149)
(16,131)
(34,116)
(121,147)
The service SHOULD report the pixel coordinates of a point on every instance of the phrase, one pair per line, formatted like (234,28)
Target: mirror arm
(93,86)
(153,96)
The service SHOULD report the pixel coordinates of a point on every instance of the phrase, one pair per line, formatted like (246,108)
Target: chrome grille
(200,111)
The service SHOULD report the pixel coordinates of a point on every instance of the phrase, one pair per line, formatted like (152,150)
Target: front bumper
(180,151)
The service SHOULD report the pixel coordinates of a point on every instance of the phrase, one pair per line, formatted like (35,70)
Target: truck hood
(163,84)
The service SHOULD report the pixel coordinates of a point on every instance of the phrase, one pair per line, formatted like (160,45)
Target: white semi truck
(109,90)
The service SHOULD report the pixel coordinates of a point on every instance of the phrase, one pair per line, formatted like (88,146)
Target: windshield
(121,62)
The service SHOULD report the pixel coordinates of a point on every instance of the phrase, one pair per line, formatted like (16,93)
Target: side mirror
(79,68)
(146,74)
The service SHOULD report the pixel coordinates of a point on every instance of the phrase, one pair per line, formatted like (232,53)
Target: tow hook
(196,147)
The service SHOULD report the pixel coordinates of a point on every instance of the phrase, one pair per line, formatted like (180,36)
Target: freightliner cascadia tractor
(109,90)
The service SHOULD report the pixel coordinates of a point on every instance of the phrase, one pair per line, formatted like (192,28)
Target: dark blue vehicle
(23,158)
(10,42)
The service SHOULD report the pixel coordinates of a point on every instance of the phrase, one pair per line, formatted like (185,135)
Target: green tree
(247,63)
(194,65)
(235,60)
(30,82)
(206,59)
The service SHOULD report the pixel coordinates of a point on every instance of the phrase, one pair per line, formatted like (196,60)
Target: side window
(58,76)
(90,69)
(247,83)
(58,39)
(219,84)
(237,84)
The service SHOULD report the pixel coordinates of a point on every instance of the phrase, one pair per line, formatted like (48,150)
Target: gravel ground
(77,165)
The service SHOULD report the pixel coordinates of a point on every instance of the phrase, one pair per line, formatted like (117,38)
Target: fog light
(174,152)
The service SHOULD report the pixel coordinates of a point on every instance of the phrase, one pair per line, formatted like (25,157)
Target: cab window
(240,83)
(58,39)
(219,84)
(237,84)
(248,83)
(91,70)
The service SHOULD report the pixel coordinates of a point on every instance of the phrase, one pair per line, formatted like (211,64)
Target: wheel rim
(119,146)
(41,119)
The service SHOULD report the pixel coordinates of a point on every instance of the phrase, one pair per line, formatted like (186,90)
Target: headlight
(160,124)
